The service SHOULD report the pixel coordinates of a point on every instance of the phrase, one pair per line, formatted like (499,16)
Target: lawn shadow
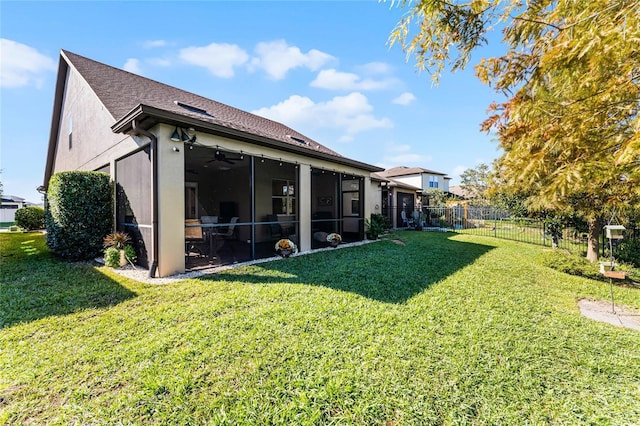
(35,284)
(382,271)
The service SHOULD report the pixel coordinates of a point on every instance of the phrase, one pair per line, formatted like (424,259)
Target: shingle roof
(121,91)
(404,170)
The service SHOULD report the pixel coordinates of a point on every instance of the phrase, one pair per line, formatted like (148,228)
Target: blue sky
(324,68)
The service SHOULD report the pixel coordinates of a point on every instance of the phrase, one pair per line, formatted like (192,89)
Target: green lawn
(447,329)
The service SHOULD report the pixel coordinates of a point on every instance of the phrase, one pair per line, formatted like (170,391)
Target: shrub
(112,252)
(112,257)
(79,214)
(572,264)
(30,218)
(118,240)
(377,225)
(629,251)
(130,254)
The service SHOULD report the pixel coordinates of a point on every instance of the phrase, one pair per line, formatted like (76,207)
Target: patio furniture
(275,228)
(194,238)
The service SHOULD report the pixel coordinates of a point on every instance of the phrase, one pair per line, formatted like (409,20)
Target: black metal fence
(494,222)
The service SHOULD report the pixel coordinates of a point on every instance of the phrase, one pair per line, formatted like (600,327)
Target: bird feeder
(615,232)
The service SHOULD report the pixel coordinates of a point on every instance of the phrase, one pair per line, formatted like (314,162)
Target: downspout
(154,194)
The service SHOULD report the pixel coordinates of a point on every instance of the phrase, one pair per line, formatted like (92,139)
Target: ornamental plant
(117,239)
(114,244)
(334,239)
(286,247)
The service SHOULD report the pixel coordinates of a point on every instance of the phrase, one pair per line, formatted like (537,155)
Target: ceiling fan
(219,156)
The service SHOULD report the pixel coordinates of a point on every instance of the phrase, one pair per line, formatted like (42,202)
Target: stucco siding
(85,140)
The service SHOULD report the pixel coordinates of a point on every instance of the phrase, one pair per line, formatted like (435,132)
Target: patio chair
(406,222)
(194,238)
(275,228)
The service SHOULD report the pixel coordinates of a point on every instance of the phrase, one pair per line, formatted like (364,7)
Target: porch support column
(370,196)
(304,215)
(170,206)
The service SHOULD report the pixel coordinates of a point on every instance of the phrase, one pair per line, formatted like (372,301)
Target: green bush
(629,251)
(573,264)
(30,218)
(130,254)
(377,226)
(112,257)
(79,214)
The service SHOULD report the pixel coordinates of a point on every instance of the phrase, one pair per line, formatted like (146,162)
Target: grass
(447,329)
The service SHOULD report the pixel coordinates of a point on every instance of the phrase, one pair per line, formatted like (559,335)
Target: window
(70,132)
(191,200)
(283,198)
(433,181)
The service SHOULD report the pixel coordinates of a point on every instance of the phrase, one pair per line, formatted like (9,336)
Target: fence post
(495,222)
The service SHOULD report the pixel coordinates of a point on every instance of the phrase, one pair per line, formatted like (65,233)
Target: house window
(283,198)
(433,181)
(70,132)
(191,200)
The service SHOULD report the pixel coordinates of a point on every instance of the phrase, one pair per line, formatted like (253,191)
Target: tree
(434,197)
(475,182)
(570,128)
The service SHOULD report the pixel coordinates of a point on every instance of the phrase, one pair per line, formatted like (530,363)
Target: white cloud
(404,99)
(409,158)
(276,58)
(219,58)
(403,155)
(350,113)
(336,80)
(375,68)
(22,65)
(150,44)
(133,65)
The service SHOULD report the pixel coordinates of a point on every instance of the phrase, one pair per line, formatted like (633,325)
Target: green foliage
(79,213)
(378,225)
(569,130)
(475,181)
(112,257)
(629,251)
(117,239)
(130,254)
(436,197)
(572,264)
(554,226)
(30,218)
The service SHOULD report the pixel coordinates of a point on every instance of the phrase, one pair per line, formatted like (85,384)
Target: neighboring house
(10,204)
(460,193)
(406,188)
(243,181)
(394,197)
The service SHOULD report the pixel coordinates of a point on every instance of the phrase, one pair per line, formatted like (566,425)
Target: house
(394,197)
(9,205)
(406,189)
(197,181)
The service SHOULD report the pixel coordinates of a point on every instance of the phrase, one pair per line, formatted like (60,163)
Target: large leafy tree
(571,70)
(475,181)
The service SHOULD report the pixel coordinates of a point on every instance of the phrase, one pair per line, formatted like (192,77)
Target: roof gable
(121,92)
(405,171)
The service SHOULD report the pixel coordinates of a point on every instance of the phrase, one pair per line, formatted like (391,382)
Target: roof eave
(149,116)
(63,68)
